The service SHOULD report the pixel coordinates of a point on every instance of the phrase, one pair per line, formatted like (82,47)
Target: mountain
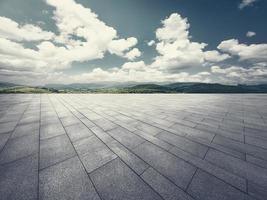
(6,85)
(216,88)
(132,87)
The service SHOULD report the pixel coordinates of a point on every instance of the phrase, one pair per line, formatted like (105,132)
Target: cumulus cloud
(253,52)
(250,34)
(82,37)
(151,43)
(10,29)
(177,51)
(215,56)
(119,47)
(133,54)
(241,75)
(246,3)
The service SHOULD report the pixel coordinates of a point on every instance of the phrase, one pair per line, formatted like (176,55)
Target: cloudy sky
(84,41)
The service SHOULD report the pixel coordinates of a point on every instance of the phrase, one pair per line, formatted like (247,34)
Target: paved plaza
(133,146)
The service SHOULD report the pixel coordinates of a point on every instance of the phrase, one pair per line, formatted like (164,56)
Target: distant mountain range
(135,88)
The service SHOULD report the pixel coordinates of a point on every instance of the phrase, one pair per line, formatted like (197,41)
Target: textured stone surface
(141,146)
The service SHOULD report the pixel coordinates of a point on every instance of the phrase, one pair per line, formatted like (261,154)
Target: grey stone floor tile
(19,179)
(104,136)
(241,147)
(66,180)
(260,142)
(116,181)
(54,150)
(93,153)
(177,170)
(222,174)
(51,130)
(7,127)
(26,129)
(105,124)
(19,147)
(207,187)
(256,161)
(183,143)
(257,191)
(242,168)
(125,137)
(78,131)
(69,121)
(135,163)
(87,122)
(154,140)
(148,129)
(163,186)
(3,139)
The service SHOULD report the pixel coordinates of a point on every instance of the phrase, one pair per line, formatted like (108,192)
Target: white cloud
(241,75)
(253,52)
(250,34)
(215,56)
(138,72)
(10,29)
(151,43)
(133,54)
(246,3)
(119,47)
(176,49)
(74,19)
(82,37)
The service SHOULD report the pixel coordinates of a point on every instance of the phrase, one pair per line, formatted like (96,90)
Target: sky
(146,41)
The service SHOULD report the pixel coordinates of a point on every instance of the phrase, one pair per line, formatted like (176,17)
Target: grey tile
(19,147)
(183,143)
(177,170)
(260,142)
(54,150)
(226,176)
(148,129)
(154,140)
(137,164)
(257,191)
(19,179)
(78,131)
(51,130)
(66,180)
(93,153)
(236,166)
(105,124)
(163,186)
(256,161)
(207,187)
(116,181)
(26,129)
(3,139)
(125,137)
(104,136)
(7,127)
(69,120)
(241,147)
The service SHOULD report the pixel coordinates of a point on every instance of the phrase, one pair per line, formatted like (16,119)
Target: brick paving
(133,146)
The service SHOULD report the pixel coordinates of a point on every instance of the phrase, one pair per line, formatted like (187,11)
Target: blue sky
(50,41)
